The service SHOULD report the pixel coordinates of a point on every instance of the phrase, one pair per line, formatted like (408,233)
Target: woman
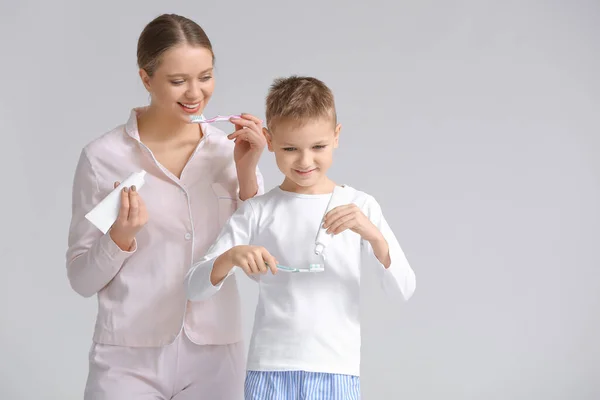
(149,342)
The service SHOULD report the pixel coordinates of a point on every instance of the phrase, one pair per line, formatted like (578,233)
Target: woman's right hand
(132,217)
(252,259)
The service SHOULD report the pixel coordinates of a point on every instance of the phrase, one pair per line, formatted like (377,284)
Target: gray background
(474,123)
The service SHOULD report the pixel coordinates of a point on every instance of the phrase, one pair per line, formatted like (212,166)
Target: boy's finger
(336,210)
(252,266)
(335,214)
(272,265)
(339,222)
(245,267)
(260,263)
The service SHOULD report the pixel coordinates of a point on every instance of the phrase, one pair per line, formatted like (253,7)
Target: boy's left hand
(350,217)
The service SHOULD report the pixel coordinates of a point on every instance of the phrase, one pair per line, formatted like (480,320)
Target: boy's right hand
(132,217)
(252,259)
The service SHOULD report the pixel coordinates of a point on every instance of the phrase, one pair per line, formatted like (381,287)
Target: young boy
(306,338)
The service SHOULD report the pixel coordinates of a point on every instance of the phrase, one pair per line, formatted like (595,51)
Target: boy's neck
(323,186)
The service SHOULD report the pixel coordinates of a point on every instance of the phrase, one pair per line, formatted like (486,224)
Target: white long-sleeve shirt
(305,321)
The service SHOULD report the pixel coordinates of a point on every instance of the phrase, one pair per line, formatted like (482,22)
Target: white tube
(104,215)
(338,198)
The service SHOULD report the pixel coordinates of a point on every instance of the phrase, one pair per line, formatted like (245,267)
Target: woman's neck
(154,127)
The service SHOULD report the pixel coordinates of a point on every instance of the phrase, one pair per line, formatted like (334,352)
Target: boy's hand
(350,217)
(252,259)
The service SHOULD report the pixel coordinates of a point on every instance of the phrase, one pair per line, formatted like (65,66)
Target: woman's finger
(246,123)
(249,136)
(252,118)
(124,210)
(134,207)
(143,213)
(241,133)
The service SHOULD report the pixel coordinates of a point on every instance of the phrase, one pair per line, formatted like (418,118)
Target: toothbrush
(311,268)
(199,119)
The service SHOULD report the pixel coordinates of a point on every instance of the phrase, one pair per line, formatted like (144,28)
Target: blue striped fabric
(300,385)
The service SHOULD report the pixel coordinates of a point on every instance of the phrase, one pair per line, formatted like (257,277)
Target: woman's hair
(165,32)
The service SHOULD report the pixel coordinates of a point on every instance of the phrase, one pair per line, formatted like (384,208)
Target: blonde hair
(298,99)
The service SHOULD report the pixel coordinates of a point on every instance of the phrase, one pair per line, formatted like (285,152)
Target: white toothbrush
(199,119)
(311,268)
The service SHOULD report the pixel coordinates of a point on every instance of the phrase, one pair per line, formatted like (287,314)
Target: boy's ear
(269,139)
(336,135)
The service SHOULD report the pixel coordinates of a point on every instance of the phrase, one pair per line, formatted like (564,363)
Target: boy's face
(304,152)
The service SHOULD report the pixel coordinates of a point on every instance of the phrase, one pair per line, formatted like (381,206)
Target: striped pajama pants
(300,385)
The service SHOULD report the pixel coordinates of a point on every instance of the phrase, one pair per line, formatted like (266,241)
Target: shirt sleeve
(237,231)
(399,277)
(92,258)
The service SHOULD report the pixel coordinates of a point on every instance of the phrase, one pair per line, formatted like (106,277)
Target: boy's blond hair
(298,99)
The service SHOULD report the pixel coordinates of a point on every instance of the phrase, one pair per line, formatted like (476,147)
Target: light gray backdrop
(474,123)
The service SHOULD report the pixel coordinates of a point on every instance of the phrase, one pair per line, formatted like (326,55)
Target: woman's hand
(132,217)
(249,141)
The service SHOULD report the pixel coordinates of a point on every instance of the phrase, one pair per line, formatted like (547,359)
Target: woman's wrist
(125,244)
(248,183)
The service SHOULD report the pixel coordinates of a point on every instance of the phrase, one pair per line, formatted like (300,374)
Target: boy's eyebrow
(179,74)
(320,142)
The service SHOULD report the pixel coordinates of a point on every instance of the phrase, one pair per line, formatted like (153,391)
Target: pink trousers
(181,370)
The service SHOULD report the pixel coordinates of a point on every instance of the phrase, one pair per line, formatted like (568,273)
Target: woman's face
(183,82)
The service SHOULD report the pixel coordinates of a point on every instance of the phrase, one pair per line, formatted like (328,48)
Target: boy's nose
(305,160)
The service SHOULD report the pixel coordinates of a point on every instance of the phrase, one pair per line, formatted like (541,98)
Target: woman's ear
(145,78)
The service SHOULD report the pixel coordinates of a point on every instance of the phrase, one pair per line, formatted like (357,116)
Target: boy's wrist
(221,268)
(381,250)
(374,236)
(377,240)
